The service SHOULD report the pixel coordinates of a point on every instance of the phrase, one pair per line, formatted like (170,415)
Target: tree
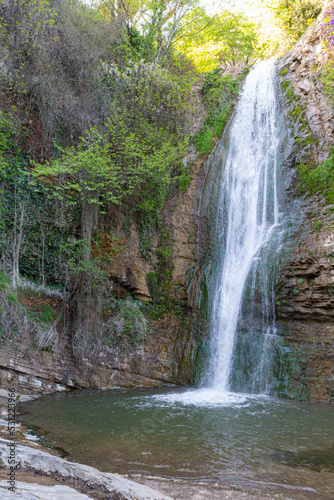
(238,37)
(229,38)
(295,16)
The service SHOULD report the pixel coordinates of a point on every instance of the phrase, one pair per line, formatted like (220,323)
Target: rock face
(166,357)
(114,485)
(164,360)
(305,290)
(303,67)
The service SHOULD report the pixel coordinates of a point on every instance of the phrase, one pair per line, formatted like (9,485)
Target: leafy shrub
(203,141)
(45,314)
(319,179)
(294,17)
(285,85)
(154,311)
(184,179)
(127,328)
(327,80)
(219,95)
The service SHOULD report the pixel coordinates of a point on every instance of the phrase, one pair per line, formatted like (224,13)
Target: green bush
(203,141)
(45,314)
(285,85)
(327,80)
(4,281)
(184,179)
(318,179)
(154,311)
(219,95)
(127,328)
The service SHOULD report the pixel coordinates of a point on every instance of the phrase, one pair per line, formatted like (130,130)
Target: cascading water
(248,208)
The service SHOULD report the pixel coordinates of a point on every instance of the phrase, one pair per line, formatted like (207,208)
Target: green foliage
(297,111)
(127,328)
(154,311)
(294,17)
(228,38)
(238,38)
(203,141)
(327,80)
(318,179)
(12,297)
(67,66)
(14,323)
(184,178)
(290,94)
(53,61)
(284,71)
(141,146)
(162,24)
(219,95)
(45,222)
(45,314)
(285,85)
(96,109)
(4,281)
(80,271)
(317,225)
(6,145)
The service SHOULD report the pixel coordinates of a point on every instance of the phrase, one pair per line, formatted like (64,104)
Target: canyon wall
(305,290)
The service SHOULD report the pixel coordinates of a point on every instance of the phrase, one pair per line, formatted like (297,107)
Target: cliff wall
(167,354)
(305,290)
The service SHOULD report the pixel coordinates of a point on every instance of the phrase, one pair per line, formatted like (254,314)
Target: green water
(248,441)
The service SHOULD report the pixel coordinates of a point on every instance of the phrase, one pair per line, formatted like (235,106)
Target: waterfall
(242,311)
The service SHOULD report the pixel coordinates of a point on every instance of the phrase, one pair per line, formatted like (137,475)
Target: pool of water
(233,439)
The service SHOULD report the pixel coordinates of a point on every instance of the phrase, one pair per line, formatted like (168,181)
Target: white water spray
(249,198)
(247,241)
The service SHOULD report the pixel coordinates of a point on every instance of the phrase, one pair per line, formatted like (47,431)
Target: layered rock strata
(305,291)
